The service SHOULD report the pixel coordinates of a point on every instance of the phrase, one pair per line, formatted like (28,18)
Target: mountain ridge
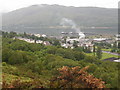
(50,15)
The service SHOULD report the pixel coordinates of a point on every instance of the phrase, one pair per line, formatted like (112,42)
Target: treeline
(23,35)
(114,47)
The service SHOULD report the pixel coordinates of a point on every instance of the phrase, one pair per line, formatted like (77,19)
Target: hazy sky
(9,5)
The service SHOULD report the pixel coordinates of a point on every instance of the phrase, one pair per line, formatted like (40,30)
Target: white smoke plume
(66,21)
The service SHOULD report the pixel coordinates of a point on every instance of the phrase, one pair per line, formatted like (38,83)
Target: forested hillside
(47,18)
(31,65)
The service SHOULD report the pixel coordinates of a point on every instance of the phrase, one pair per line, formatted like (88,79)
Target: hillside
(31,65)
(47,18)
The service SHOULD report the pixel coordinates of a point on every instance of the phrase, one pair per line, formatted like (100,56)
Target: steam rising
(66,21)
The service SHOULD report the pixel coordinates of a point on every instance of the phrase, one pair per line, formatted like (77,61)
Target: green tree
(99,52)
(51,50)
(6,53)
(35,66)
(118,45)
(12,34)
(16,58)
(90,59)
(79,55)
(56,42)
(80,49)
(75,44)
(94,49)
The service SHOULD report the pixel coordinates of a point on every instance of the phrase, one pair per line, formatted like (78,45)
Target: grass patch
(106,50)
(104,55)
(107,55)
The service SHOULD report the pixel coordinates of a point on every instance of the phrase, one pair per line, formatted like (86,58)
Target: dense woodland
(30,65)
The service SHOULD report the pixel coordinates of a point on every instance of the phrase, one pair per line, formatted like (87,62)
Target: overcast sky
(9,5)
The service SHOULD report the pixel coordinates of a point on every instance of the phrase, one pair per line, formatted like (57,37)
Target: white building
(37,35)
(117,37)
(39,41)
(26,39)
(46,43)
(117,60)
(71,40)
(64,45)
(99,39)
(43,35)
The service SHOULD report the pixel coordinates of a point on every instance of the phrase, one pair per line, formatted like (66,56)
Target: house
(88,45)
(43,35)
(117,37)
(117,60)
(99,39)
(25,39)
(37,35)
(39,41)
(72,40)
(64,45)
(46,43)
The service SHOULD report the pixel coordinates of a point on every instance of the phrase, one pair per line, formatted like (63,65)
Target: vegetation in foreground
(28,65)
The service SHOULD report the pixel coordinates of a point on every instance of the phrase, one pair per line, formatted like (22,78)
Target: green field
(104,55)
(106,50)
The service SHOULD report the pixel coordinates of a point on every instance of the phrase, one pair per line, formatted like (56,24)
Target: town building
(37,35)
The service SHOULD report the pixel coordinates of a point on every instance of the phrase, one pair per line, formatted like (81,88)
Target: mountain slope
(39,18)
